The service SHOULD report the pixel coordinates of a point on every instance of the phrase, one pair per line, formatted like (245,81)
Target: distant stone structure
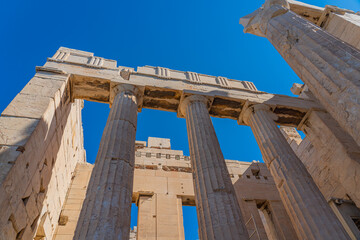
(305,189)
(163,183)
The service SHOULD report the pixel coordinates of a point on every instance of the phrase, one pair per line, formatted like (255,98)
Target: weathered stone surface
(43,87)
(160,192)
(8,231)
(159,143)
(160,217)
(16,131)
(333,177)
(291,135)
(73,203)
(165,93)
(256,190)
(307,208)
(8,156)
(41,138)
(345,26)
(32,142)
(30,106)
(328,66)
(219,214)
(107,207)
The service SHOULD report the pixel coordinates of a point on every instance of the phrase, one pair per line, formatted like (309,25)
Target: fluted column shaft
(107,207)
(329,66)
(218,211)
(307,208)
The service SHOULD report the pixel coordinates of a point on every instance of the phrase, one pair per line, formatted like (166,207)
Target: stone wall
(41,141)
(75,196)
(318,169)
(329,154)
(263,212)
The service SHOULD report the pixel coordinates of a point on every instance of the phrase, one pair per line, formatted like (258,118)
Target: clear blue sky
(200,36)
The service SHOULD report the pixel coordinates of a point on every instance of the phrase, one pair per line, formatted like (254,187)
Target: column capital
(256,22)
(190,99)
(258,107)
(130,89)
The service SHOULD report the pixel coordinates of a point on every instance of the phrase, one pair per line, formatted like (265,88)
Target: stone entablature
(195,78)
(164,89)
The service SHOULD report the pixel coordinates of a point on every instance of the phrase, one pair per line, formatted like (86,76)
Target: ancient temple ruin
(305,189)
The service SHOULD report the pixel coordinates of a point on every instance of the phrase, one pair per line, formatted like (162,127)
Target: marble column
(307,208)
(218,212)
(328,66)
(107,207)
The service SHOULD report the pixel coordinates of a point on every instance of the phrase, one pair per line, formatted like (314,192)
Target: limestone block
(19,218)
(31,208)
(330,143)
(64,237)
(4,205)
(48,228)
(77,194)
(52,76)
(45,175)
(40,200)
(157,184)
(27,234)
(73,200)
(345,26)
(13,188)
(7,231)
(64,111)
(73,206)
(291,135)
(256,190)
(160,217)
(69,229)
(31,106)
(16,131)
(8,156)
(181,187)
(42,87)
(159,143)
(297,88)
(72,214)
(147,217)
